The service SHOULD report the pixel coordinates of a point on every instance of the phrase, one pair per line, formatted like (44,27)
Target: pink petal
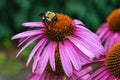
(111,77)
(35,62)
(101,75)
(52,55)
(73,77)
(96,73)
(88,34)
(103,33)
(109,33)
(44,58)
(27,33)
(34,50)
(73,55)
(106,45)
(78,44)
(82,28)
(67,66)
(33,24)
(37,57)
(21,42)
(82,56)
(101,28)
(83,71)
(105,76)
(31,41)
(93,45)
(76,21)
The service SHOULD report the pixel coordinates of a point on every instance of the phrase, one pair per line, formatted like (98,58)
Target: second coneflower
(60,38)
(109,32)
(109,68)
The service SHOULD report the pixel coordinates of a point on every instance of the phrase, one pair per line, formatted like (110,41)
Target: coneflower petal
(78,44)
(27,33)
(35,49)
(82,56)
(24,40)
(101,75)
(67,66)
(109,33)
(37,57)
(106,76)
(73,55)
(44,58)
(103,33)
(33,24)
(35,62)
(31,41)
(52,55)
(104,25)
(76,21)
(98,72)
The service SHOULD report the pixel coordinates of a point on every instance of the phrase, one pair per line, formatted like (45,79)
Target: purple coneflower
(59,36)
(109,65)
(109,32)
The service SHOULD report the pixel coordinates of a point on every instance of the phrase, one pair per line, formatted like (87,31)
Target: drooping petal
(27,33)
(35,62)
(82,56)
(67,66)
(83,74)
(31,41)
(44,58)
(109,33)
(76,21)
(98,72)
(101,75)
(80,27)
(101,28)
(37,56)
(89,34)
(103,32)
(106,76)
(78,44)
(52,55)
(33,24)
(35,49)
(24,40)
(73,55)
(92,43)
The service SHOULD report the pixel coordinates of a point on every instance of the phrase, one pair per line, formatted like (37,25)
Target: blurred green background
(14,12)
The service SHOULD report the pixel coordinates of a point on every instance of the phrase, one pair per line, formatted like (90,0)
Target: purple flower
(109,65)
(59,35)
(109,32)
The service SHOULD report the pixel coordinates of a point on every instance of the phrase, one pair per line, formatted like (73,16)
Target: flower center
(59,27)
(59,69)
(113,60)
(114,20)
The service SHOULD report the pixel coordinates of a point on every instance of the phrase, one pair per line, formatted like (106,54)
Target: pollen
(60,28)
(113,60)
(59,69)
(113,20)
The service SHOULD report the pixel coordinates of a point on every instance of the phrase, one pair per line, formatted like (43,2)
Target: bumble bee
(49,16)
